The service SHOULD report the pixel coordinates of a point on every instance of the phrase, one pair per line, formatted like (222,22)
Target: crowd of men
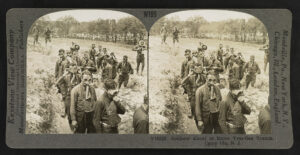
(76,80)
(202,79)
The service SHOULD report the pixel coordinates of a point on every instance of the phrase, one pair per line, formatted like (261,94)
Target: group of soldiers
(36,34)
(202,79)
(164,34)
(76,82)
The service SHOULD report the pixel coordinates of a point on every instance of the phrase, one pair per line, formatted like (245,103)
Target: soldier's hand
(74,123)
(200,123)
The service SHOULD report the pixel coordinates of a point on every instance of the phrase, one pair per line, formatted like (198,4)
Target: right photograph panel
(209,74)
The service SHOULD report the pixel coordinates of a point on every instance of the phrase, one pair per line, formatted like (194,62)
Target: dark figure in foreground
(233,109)
(107,110)
(208,98)
(141,118)
(264,120)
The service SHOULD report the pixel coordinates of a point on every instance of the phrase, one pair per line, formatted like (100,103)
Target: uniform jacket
(125,68)
(203,103)
(252,69)
(79,103)
(232,111)
(106,111)
(60,67)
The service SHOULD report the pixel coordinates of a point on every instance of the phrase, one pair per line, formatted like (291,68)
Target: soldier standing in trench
(107,110)
(140,57)
(83,98)
(141,118)
(208,97)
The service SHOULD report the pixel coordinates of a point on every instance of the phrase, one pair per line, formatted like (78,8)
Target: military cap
(110,84)
(234,84)
(125,56)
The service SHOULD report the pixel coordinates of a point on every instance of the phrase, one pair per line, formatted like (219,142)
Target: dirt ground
(168,110)
(44,104)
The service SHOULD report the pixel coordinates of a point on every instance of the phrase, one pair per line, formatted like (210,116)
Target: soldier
(106,71)
(251,69)
(66,83)
(141,118)
(266,57)
(201,59)
(60,64)
(112,60)
(102,58)
(220,53)
(75,57)
(69,59)
(233,69)
(264,120)
(208,97)
(164,33)
(92,53)
(240,62)
(215,66)
(47,35)
(88,64)
(36,32)
(233,109)
(175,35)
(107,110)
(186,63)
(124,68)
(228,55)
(83,98)
(140,58)
(191,82)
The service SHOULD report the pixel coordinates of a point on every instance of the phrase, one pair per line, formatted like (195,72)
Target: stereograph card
(148,78)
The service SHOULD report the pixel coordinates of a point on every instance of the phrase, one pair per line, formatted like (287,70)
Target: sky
(210,15)
(88,15)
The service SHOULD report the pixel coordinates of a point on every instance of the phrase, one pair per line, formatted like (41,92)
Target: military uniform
(125,69)
(82,108)
(207,108)
(140,57)
(47,36)
(240,62)
(101,59)
(191,84)
(163,33)
(215,67)
(88,65)
(220,53)
(66,84)
(106,117)
(60,67)
(92,54)
(185,67)
(106,72)
(251,70)
(175,36)
(264,120)
(232,117)
(140,121)
(113,62)
(234,71)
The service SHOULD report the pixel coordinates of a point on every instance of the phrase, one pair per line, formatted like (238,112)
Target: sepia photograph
(86,73)
(209,74)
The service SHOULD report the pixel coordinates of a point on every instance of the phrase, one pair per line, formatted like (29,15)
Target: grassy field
(168,106)
(44,104)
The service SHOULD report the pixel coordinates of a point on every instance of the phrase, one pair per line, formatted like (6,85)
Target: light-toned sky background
(88,15)
(209,15)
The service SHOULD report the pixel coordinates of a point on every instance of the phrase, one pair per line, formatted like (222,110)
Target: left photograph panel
(86,73)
